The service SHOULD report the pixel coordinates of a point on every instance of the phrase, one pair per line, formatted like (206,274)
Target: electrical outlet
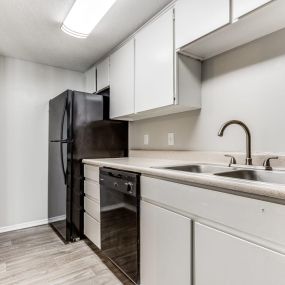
(146,139)
(170,138)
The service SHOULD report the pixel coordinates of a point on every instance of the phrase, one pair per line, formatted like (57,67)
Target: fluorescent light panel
(84,16)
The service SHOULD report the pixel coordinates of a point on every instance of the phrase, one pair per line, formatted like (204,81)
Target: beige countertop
(147,166)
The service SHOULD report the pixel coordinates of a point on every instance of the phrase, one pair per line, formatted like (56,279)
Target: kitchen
(173,125)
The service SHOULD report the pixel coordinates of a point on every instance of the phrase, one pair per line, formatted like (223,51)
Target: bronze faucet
(248,160)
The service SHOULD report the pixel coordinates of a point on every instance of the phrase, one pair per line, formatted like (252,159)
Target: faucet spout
(248,160)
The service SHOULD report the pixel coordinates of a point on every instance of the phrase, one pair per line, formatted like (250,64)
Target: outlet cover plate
(170,138)
(146,139)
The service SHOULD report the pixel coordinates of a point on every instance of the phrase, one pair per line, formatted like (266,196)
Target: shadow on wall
(258,51)
(182,124)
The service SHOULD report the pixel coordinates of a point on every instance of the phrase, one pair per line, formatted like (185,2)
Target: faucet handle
(233,160)
(267,164)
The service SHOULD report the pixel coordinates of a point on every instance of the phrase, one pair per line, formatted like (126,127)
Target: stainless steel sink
(277,177)
(198,168)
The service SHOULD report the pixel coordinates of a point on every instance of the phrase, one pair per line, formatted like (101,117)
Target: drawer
(92,208)
(92,189)
(92,230)
(91,172)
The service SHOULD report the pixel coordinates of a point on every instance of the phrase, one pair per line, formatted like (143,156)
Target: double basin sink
(260,175)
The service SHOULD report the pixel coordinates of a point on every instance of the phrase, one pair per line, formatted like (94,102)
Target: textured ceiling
(30,30)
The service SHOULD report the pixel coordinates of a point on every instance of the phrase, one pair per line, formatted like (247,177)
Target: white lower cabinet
(92,229)
(223,259)
(91,172)
(92,189)
(92,208)
(234,240)
(165,247)
(92,219)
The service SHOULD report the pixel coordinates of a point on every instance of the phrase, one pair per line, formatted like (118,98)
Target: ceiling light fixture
(84,16)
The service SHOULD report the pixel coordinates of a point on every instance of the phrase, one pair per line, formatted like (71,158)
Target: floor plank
(38,256)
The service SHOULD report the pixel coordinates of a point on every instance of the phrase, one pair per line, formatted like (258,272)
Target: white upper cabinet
(242,7)
(260,20)
(103,74)
(90,80)
(197,18)
(122,64)
(165,247)
(148,78)
(223,259)
(154,64)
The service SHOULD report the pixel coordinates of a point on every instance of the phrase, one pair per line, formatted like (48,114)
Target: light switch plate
(170,138)
(146,139)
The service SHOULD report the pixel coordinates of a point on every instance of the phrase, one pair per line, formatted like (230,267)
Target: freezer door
(60,163)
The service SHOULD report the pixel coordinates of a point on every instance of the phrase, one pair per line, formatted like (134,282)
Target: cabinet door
(122,64)
(196,18)
(242,7)
(92,229)
(103,74)
(222,259)
(154,64)
(165,247)
(90,80)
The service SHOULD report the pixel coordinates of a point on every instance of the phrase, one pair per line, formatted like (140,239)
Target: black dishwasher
(120,214)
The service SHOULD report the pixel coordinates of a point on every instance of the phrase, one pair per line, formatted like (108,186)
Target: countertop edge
(236,186)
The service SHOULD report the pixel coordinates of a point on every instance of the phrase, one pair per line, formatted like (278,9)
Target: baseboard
(31,224)
(56,219)
(23,226)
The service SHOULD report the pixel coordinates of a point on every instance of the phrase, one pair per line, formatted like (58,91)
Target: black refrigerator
(79,127)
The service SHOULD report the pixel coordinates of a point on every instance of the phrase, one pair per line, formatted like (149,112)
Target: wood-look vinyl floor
(38,256)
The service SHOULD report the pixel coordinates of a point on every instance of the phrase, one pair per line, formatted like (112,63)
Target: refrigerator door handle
(62,163)
(62,141)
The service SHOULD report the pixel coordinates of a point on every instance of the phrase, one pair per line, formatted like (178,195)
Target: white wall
(25,90)
(247,83)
